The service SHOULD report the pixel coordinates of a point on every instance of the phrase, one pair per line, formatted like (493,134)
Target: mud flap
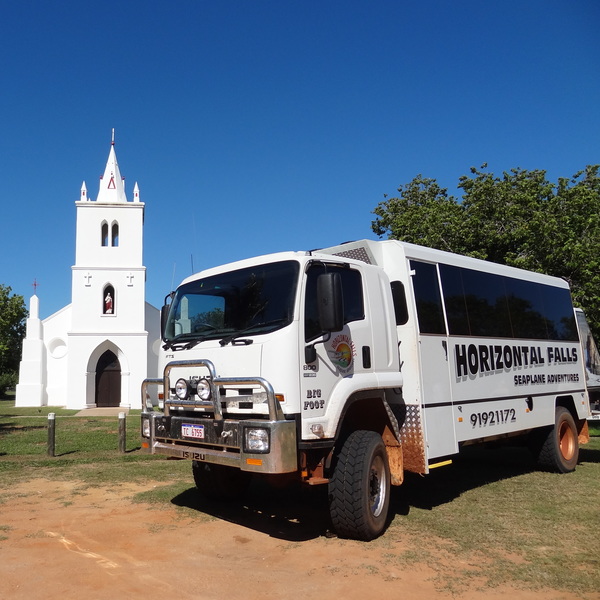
(396,464)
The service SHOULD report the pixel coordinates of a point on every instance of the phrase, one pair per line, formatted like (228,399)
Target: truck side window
(399,298)
(428,298)
(354,307)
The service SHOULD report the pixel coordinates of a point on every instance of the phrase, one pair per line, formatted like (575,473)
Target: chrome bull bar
(215,382)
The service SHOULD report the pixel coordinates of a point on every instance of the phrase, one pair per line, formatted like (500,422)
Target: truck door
(339,355)
(434,367)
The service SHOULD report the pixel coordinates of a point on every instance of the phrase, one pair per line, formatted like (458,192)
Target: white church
(96,351)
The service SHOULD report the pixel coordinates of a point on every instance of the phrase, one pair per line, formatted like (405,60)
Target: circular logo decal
(342,353)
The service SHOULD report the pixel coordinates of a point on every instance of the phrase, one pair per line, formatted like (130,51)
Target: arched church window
(105,233)
(108,300)
(115,234)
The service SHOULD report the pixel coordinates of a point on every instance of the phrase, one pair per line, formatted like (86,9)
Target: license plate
(192,431)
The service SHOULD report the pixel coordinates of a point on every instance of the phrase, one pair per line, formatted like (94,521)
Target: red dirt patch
(62,540)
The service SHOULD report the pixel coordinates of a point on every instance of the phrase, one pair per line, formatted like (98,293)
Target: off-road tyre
(359,490)
(217,482)
(559,451)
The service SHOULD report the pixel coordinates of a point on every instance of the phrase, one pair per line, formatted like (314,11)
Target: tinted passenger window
(428,298)
(541,311)
(354,308)
(489,305)
(476,302)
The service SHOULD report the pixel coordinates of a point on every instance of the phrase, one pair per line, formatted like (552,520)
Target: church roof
(112,185)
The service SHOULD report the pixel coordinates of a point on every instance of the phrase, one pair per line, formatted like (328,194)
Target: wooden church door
(108,380)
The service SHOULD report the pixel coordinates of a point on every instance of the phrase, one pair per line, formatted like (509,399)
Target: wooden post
(122,432)
(51,434)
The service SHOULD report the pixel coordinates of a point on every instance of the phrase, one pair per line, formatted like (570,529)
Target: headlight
(256,440)
(203,389)
(182,390)
(145,427)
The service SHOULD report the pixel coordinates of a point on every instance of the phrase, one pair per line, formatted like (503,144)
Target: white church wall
(56,343)
(91,215)
(152,317)
(131,353)
(30,389)
(89,296)
(153,350)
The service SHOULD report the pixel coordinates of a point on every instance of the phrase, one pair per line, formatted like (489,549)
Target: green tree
(504,215)
(570,239)
(519,218)
(12,331)
(422,211)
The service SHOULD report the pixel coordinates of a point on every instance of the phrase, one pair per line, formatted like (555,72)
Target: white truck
(350,365)
(591,358)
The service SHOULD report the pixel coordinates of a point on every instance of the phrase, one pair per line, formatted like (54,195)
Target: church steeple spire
(112,185)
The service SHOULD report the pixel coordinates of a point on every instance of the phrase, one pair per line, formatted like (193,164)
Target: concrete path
(102,412)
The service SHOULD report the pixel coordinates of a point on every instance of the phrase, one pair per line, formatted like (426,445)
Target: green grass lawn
(80,442)
(491,514)
(498,519)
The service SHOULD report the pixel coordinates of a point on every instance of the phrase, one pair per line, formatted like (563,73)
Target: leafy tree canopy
(12,329)
(519,219)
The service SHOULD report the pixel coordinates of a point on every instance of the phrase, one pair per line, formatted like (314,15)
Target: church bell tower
(107,338)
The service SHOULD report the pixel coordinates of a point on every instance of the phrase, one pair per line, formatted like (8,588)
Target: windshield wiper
(230,338)
(180,342)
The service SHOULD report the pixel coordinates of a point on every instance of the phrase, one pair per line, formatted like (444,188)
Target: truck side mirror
(330,302)
(330,309)
(164,313)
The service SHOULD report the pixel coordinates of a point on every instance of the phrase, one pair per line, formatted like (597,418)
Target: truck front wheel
(217,482)
(359,491)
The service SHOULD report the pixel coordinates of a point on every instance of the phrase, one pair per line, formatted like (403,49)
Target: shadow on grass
(296,513)
(59,454)
(6,428)
(589,455)
(473,468)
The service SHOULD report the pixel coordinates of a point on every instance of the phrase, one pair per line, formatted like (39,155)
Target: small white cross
(130,277)
(88,277)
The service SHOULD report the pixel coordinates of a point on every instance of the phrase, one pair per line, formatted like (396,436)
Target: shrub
(8,381)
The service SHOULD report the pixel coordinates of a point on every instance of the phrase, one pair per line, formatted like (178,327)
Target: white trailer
(350,365)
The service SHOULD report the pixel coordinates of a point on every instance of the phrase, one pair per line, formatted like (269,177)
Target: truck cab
(269,362)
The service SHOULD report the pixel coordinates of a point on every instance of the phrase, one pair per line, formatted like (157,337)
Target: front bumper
(184,430)
(228,449)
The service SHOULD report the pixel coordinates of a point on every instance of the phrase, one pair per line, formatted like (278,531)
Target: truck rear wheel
(560,448)
(359,491)
(217,482)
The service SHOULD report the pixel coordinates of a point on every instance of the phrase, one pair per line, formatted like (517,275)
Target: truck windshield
(251,301)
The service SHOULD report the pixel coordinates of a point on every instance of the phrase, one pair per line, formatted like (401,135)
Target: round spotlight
(203,389)
(181,389)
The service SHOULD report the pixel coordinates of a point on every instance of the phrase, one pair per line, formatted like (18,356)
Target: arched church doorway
(108,380)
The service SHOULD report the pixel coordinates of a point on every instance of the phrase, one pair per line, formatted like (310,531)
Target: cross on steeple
(35,285)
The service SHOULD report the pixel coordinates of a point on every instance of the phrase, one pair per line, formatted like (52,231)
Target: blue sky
(255,126)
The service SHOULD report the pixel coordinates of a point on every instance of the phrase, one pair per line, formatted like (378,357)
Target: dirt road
(60,539)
